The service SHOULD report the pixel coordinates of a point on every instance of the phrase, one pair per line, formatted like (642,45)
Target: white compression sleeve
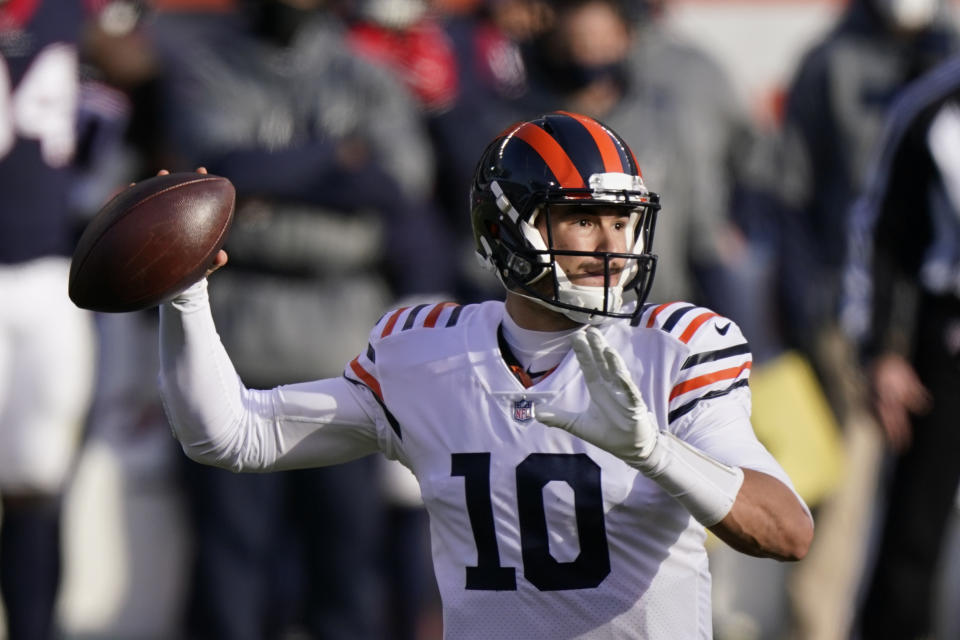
(705,486)
(221,422)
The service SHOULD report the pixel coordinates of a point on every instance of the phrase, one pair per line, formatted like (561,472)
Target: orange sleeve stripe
(608,150)
(431,320)
(392,322)
(368,379)
(709,378)
(695,324)
(553,154)
(656,312)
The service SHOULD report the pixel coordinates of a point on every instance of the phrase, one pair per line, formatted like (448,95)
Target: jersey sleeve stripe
(366,377)
(695,324)
(431,320)
(391,419)
(653,315)
(454,316)
(392,322)
(371,353)
(686,408)
(675,317)
(713,356)
(412,316)
(709,378)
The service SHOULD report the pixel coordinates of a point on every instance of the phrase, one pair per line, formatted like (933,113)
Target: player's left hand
(617,419)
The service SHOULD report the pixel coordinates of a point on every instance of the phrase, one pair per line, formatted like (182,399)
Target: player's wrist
(706,487)
(191,299)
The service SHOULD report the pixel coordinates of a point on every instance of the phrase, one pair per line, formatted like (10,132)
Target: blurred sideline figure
(332,169)
(834,115)
(607,59)
(904,305)
(47,345)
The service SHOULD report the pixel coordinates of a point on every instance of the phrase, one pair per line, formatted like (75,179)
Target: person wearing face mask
(833,120)
(610,59)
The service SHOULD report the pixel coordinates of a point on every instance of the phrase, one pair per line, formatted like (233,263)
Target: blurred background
(350,129)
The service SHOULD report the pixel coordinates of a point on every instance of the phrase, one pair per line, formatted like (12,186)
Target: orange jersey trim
(656,312)
(431,320)
(553,154)
(367,378)
(694,325)
(708,378)
(392,322)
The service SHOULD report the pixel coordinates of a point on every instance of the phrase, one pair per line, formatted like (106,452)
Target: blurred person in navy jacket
(333,173)
(46,343)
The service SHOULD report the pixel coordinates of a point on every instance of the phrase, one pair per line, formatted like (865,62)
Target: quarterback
(572,443)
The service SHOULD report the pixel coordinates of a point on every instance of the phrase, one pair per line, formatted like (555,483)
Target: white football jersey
(536,533)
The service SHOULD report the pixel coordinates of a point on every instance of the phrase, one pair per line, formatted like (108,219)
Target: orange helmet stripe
(608,150)
(553,154)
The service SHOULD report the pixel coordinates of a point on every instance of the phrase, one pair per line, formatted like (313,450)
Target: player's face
(594,229)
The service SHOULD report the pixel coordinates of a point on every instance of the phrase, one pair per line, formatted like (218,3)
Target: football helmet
(562,158)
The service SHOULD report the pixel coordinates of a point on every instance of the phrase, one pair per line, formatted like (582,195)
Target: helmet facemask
(536,274)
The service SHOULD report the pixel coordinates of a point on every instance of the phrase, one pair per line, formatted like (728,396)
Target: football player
(572,443)
(48,347)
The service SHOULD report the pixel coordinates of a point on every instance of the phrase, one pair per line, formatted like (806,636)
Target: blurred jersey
(38,98)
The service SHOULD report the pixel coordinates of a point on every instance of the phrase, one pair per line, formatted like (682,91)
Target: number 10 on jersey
(540,568)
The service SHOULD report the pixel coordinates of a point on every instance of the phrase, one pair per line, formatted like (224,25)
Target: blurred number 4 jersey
(38,120)
(536,533)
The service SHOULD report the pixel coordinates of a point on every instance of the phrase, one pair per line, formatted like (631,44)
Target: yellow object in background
(792,419)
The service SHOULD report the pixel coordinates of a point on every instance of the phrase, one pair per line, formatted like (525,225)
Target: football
(151,241)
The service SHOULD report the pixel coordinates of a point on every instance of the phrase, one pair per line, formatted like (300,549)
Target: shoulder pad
(363,368)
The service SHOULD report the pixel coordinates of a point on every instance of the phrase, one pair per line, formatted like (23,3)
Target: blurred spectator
(332,169)
(606,59)
(486,38)
(833,118)
(407,38)
(47,353)
(904,286)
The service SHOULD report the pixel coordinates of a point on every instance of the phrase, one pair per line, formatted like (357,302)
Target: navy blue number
(488,575)
(539,567)
(582,474)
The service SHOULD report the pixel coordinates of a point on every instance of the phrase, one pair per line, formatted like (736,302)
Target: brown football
(151,241)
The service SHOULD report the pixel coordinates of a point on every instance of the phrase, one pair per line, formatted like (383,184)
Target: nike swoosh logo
(722,330)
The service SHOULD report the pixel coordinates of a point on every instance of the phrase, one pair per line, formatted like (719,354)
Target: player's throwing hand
(617,419)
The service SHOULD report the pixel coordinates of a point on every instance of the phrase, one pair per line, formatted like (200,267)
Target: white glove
(617,419)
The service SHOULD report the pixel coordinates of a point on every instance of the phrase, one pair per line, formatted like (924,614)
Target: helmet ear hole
(494,229)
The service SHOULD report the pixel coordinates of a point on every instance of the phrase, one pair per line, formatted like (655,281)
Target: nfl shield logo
(523,410)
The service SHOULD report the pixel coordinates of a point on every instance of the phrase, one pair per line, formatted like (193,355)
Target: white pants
(47,369)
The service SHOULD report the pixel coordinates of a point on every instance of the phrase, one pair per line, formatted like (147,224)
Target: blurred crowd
(350,129)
